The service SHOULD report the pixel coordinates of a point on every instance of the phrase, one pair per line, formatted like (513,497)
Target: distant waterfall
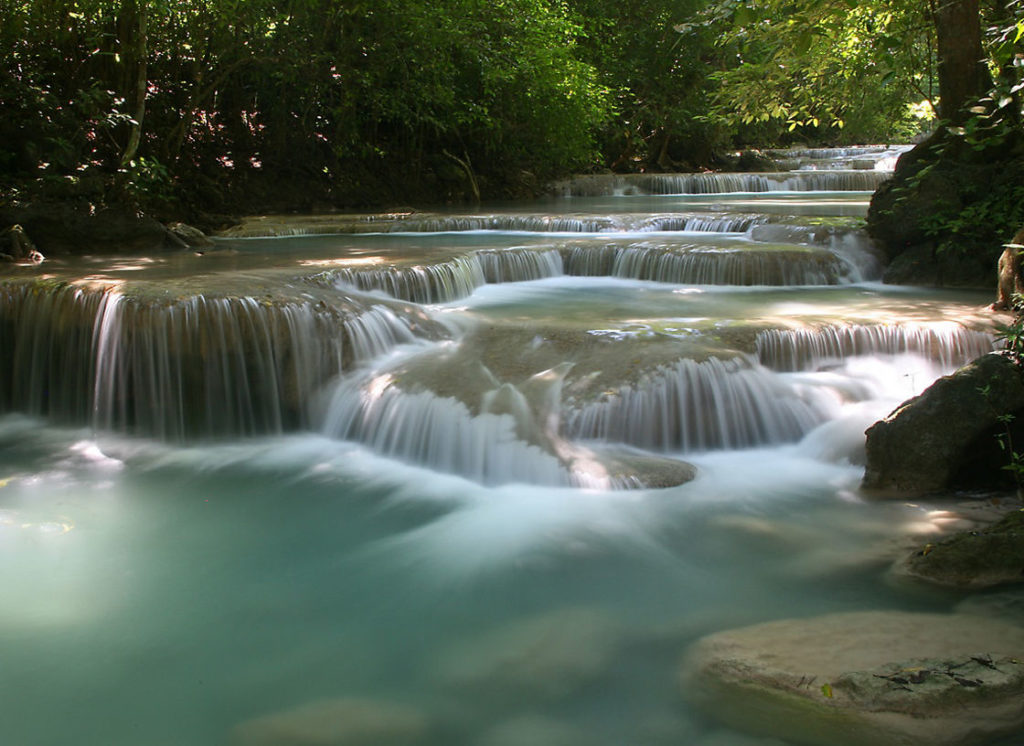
(722,183)
(507,223)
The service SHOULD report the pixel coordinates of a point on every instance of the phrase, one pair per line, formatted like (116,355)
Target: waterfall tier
(177,367)
(288,225)
(948,344)
(746,264)
(703,405)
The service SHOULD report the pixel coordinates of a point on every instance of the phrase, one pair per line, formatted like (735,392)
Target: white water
(230,505)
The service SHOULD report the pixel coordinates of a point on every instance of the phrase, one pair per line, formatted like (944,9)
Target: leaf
(826,689)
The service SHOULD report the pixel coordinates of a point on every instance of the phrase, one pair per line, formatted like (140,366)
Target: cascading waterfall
(309,512)
(697,265)
(508,223)
(191,366)
(949,344)
(703,405)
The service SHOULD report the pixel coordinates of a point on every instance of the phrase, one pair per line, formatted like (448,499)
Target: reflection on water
(348,579)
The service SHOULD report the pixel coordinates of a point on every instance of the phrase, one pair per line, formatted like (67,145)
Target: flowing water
(430,470)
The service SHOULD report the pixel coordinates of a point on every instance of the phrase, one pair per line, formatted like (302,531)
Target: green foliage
(824,69)
(148,181)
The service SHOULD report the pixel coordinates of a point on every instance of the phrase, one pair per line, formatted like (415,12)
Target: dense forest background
(195,108)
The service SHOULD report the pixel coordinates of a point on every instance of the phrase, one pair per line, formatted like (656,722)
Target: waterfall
(442,433)
(722,183)
(176,368)
(702,265)
(519,266)
(948,344)
(702,405)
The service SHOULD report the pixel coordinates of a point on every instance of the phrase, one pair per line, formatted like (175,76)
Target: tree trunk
(963,77)
(138,56)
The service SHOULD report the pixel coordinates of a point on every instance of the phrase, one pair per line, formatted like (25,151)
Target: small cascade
(851,245)
(454,278)
(510,265)
(376,332)
(702,223)
(441,433)
(508,223)
(183,367)
(949,345)
(722,183)
(704,405)
(702,265)
(439,282)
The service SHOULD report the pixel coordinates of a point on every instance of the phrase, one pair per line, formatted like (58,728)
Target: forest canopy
(185,106)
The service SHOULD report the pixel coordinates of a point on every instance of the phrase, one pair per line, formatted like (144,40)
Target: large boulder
(949,436)
(865,678)
(972,559)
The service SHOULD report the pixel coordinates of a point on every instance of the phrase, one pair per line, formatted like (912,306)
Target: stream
(454,477)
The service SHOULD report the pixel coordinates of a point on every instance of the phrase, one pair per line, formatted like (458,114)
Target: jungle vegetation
(191,108)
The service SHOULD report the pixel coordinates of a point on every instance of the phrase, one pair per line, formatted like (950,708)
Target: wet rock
(972,559)
(627,468)
(335,722)
(16,246)
(947,437)
(540,658)
(191,237)
(867,678)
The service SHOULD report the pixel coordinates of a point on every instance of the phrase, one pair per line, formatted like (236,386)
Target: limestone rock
(865,678)
(544,657)
(972,559)
(947,436)
(335,722)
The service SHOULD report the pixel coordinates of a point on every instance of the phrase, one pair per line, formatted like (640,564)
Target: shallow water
(163,593)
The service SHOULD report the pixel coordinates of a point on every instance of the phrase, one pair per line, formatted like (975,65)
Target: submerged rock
(866,678)
(949,435)
(545,657)
(335,722)
(534,730)
(972,559)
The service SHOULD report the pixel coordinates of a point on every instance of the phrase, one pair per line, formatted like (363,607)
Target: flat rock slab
(863,679)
